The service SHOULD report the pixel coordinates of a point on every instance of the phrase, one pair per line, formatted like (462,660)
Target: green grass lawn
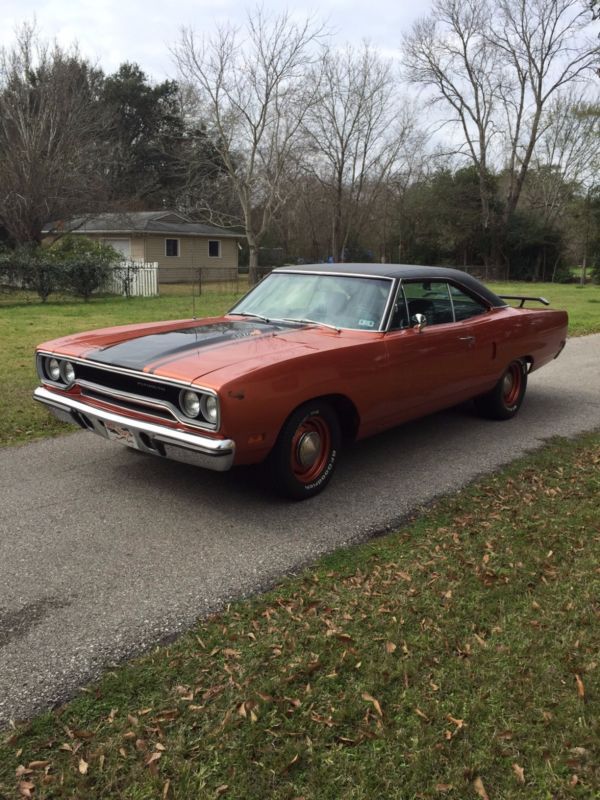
(25,322)
(458,658)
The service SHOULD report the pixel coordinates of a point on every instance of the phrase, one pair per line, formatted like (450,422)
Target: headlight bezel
(204,416)
(58,371)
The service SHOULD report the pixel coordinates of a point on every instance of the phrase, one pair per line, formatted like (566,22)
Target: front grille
(132,384)
(126,403)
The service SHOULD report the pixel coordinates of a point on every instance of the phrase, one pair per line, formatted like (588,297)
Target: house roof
(162,222)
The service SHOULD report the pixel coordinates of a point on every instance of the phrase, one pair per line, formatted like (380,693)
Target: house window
(172,247)
(214,248)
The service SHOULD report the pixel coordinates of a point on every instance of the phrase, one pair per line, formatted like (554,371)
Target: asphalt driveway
(104,551)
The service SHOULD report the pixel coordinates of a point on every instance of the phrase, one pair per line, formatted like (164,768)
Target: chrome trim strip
(222,450)
(134,398)
(388,313)
(286,271)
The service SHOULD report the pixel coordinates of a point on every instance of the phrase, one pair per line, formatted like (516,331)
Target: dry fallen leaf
(443,787)
(153,757)
(480,789)
(21,770)
(38,764)
(370,699)
(390,647)
(79,734)
(221,790)
(519,773)
(26,788)
(83,766)
(580,687)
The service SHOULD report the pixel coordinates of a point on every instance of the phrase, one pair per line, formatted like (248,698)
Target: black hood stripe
(158,349)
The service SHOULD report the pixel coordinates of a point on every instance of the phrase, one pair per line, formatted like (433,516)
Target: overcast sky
(112,31)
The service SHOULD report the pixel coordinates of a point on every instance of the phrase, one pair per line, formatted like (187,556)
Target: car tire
(306,452)
(506,397)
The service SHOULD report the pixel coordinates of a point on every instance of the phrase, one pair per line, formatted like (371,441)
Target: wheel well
(528,361)
(346,413)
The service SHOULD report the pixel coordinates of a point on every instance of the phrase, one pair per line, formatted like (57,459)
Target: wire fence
(228,280)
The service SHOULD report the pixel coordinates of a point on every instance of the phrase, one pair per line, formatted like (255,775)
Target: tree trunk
(252,261)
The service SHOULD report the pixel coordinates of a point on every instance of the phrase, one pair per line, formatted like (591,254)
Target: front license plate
(119,433)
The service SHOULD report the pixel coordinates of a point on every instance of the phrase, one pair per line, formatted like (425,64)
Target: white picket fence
(134,279)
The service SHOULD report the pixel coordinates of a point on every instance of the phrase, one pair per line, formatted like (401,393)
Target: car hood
(185,350)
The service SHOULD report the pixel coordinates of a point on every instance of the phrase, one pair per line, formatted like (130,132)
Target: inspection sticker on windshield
(366,323)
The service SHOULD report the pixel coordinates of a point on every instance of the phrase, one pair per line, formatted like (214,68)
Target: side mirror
(419,321)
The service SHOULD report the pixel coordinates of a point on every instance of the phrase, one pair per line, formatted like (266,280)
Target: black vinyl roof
(404,272)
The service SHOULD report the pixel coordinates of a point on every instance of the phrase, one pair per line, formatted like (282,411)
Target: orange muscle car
(311,358)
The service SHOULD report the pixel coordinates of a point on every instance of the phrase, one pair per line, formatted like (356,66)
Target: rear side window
(465,306)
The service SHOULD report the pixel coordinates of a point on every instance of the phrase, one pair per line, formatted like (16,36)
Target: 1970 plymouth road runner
(311,358)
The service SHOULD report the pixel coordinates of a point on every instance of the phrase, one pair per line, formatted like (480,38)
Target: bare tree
(49,126)
(546,48)
(494,67)
(355,133)
(252,96)
(567,156)
(448,52)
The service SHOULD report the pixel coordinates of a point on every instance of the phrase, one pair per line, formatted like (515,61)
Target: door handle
(466,338)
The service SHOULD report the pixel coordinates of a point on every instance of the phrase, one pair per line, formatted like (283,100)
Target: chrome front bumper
(190,448)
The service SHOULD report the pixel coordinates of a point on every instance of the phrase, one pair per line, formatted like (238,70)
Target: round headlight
(210,408)
(53,369)
(67,370)
(190,403)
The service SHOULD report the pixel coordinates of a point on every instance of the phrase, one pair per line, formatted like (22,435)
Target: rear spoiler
(523,298)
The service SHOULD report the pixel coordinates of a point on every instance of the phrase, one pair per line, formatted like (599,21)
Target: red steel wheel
(511,383)
(304,457)
(505,399)
(310,448)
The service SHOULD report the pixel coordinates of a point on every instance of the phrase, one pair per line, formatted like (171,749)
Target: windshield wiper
(311,322)
(247,314)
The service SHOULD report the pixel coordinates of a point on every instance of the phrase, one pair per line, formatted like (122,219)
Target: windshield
(344,301)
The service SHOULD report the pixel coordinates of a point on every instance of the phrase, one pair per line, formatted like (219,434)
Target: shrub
(35,268)
(86,265)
